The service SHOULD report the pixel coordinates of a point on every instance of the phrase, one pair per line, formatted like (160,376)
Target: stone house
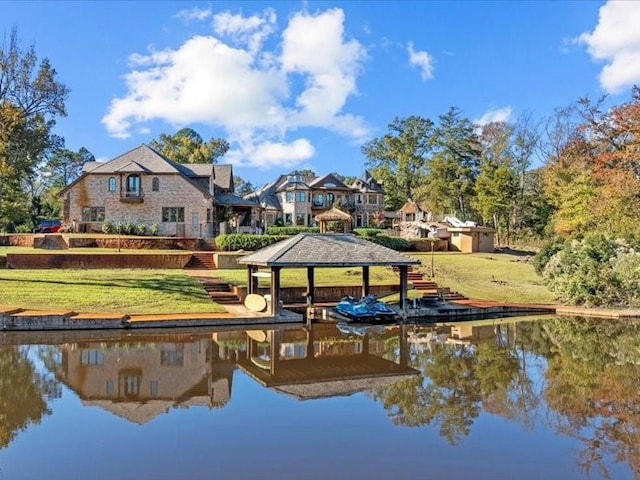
(143,187)
(295,199)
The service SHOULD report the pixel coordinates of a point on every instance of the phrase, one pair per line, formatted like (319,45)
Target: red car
(48,226)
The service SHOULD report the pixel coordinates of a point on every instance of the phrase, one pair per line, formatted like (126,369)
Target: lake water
(540,398)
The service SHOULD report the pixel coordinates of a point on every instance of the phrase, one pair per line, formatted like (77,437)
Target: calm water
(545,399)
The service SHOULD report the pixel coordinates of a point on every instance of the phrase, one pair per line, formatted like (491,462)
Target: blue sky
(304,84)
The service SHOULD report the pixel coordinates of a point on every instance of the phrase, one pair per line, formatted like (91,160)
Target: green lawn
(105,290)
(496,276)
(505,277)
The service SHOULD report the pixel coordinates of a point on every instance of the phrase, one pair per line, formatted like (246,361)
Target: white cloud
(422,60)
(189,15)
(250,31)
(231,81)
(266,154)
(497,115)
(616,40)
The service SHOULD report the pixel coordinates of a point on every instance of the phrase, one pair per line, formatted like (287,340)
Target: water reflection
(24,393)
(575,377)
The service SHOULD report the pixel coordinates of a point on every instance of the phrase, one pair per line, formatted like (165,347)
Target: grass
(495,276)
(502,277)
(105,290)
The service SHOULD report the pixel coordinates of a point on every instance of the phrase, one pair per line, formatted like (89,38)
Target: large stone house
(143,187)
(295,199)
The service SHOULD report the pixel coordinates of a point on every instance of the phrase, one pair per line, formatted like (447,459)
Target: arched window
(155,184)
(112,184)
(133,186)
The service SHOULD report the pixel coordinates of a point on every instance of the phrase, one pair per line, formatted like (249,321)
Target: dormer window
(294,178)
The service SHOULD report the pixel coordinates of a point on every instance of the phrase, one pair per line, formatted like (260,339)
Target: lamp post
(432,239)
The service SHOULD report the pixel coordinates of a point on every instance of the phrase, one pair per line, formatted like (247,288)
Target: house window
(300,219)
(131,385)
(359,198)
(301,197)
(155,184)
(287,219)
(110,388)
(373,199)
(289,197)
(92,357)
(153,388)
(173,214)
(93,214)
(133,186)
(112,184)
(318,200)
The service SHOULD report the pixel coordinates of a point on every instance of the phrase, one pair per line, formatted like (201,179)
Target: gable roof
(223,177)
(325,250)
(367,183)
(144,159)
(328,181)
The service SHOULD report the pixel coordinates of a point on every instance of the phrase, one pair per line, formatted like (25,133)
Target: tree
(453,169)
(187,146)
(31,99)
(242,187)
(65,165)
(398,159)
(496,183)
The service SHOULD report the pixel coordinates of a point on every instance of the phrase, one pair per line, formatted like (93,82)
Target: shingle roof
(235,200)
(325,250)
(320,182)
(142,155)
(223,177)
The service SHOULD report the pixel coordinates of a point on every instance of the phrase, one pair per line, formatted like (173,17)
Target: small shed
(334,215)
(472,239)
(313,250)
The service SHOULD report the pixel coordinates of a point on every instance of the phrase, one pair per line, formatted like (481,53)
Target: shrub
(241,241)
(127,228)
(140,229)
(547,251)
(395,243)
(595,271)
(275,230)
(367,232)
(24,228)
(153,230)
(108,227)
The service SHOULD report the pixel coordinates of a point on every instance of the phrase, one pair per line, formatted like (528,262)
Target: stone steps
(201,261)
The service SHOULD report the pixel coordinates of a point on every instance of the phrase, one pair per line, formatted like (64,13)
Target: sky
(295,85)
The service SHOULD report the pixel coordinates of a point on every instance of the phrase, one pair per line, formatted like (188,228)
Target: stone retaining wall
(103,260)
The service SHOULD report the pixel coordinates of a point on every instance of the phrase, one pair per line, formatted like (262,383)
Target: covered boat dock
(316,250)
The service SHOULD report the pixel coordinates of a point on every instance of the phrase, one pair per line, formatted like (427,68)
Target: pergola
(314,250)
(334,215)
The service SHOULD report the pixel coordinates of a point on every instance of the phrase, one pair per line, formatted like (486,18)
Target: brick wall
(175,191)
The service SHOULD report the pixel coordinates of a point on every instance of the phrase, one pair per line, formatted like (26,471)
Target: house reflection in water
(138,381)
(147,376)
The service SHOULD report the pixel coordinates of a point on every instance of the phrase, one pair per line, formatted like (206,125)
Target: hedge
(395,243)
(367,232)
(274,230)
(243,241)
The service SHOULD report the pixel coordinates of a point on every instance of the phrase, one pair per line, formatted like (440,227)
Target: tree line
(572,172)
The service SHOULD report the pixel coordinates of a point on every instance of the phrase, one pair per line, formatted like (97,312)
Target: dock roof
(326,250)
